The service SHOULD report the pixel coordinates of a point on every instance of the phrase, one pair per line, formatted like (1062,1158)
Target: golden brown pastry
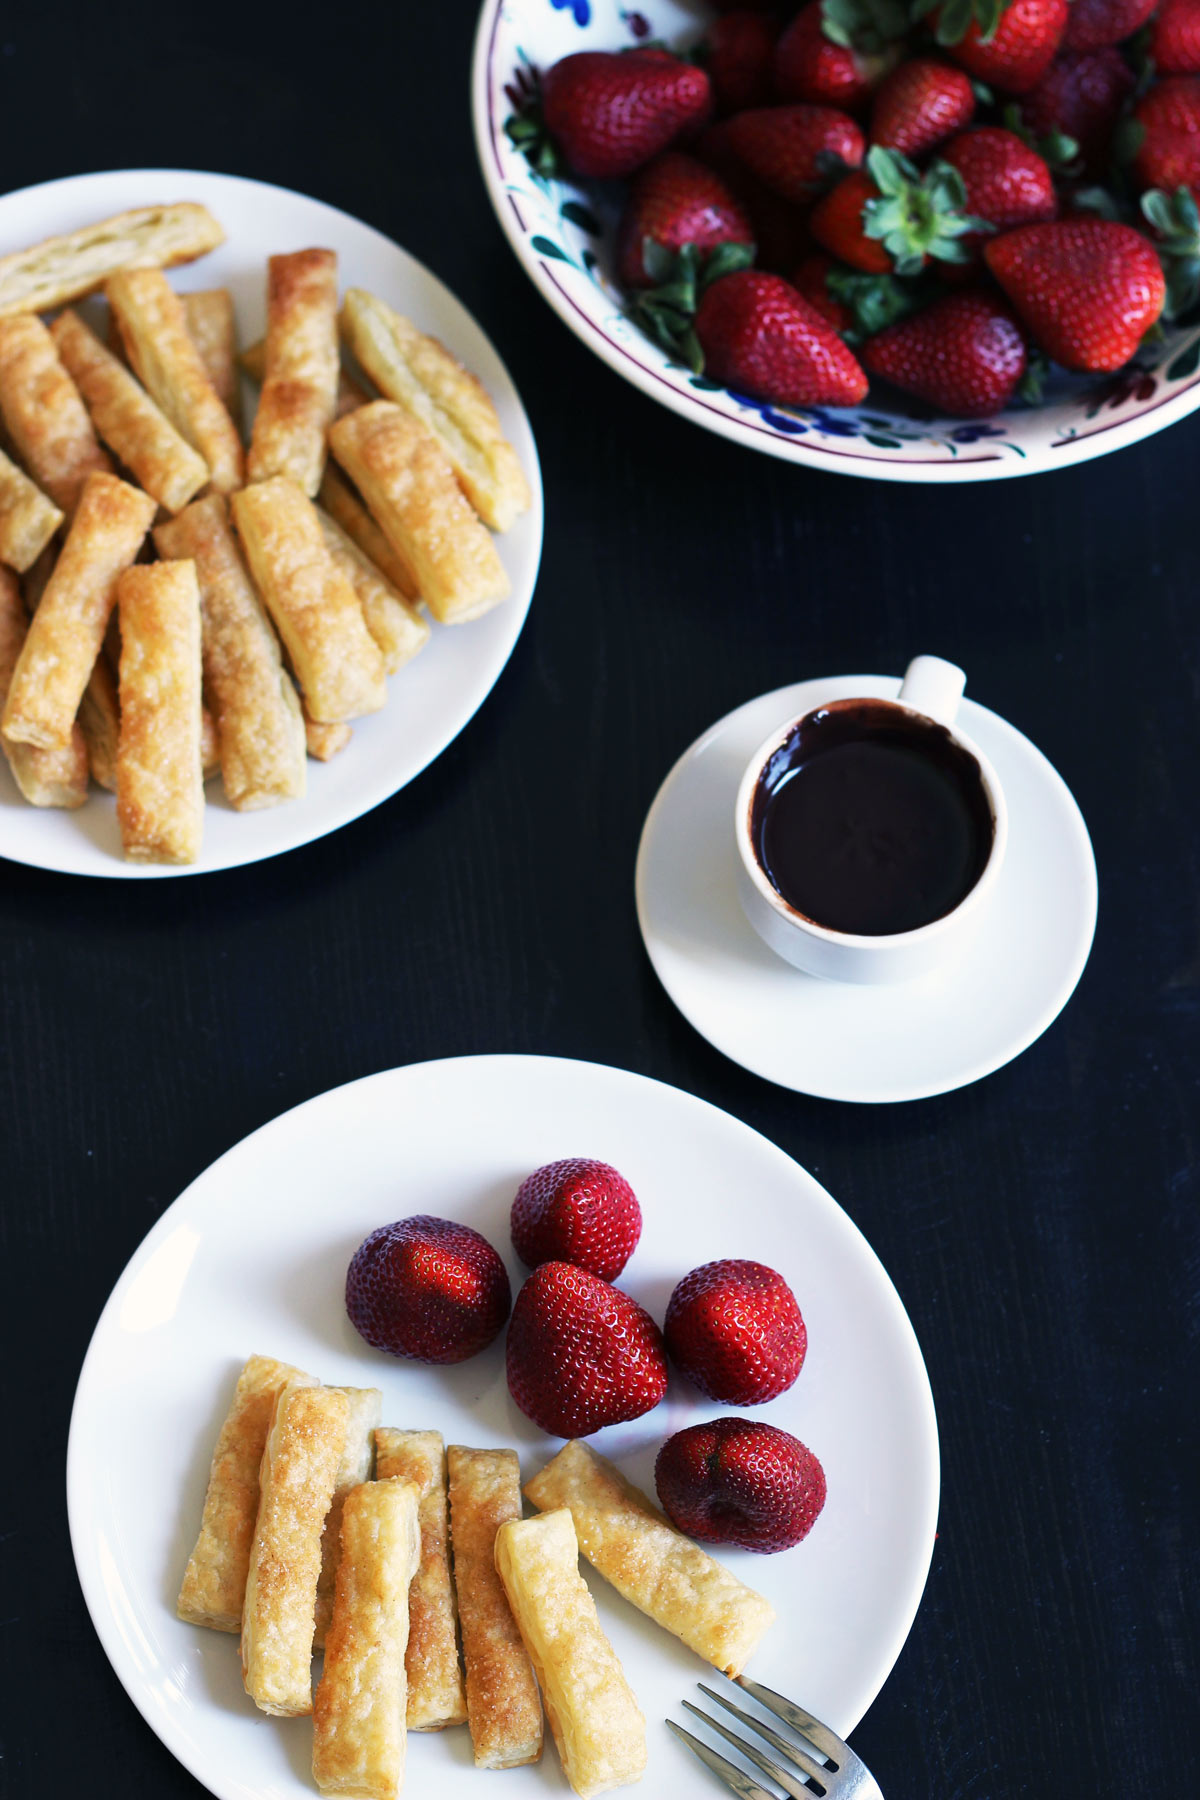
(28,520)
(436,1697)
(45,777)
(597,1725)
(99,718)
(364,1410)
(503,1710)
(655,1567)
(346,509)
(62,269)
(394,622)
(160,763)
(300,381)
(44,413)
(324,742)
(350,393)
(212,327)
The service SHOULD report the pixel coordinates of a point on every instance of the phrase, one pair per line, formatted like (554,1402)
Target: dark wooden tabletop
(1041,1226)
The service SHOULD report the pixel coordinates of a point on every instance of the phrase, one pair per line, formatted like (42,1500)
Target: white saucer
(864,1043)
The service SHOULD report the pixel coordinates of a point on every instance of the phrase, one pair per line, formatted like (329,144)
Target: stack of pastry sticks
(323,1530)
(173,601)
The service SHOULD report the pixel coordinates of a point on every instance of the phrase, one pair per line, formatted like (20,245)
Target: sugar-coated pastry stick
(56,777)
(99,718)
(324,742)
(68,628)
(315,610)
(62,269)
(503,1710)
(346,509)
(169,366)
(259,727)
(419,373)
(597,1725)
(655,1567)
(214,1582)
(44,412)
(160,763)
(212,327)
(365,1408)
(299,1469)
(358,1714)
(394,622)
(135,430)
(350,393)
(403,474)
(299,388)
(28,520)
(436,1697)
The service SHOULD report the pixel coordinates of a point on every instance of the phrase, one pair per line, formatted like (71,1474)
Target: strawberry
(792,148)
(964,355)
(1006,182)
(1080,97)
(810,279)
(780,233)
(609,112)
(758,336)
(581,1354)
(1175,38)
(1169,154)
(920,104)
(1093,24)
(738,52)
(427,1288)
(578,1211)
(1007,43)
(811,63)
(1086,289)
(892,217)
(837,222)
(673,201)
(738,1481)
(736,1332)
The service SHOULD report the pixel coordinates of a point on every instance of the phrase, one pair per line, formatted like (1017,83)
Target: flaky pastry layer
(436,1697)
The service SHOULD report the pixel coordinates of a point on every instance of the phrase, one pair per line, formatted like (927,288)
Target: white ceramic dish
(431,700)
(562,233)
(253,1256)
(868,1044)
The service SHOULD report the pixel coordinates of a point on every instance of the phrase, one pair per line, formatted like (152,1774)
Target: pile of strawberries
(582,1354)
(945,194)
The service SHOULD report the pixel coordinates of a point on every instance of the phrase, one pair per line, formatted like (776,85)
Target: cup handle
(933,687)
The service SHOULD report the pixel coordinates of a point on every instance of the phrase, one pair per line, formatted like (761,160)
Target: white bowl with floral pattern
(562,232)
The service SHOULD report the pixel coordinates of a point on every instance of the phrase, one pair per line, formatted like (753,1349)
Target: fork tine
(793,1751)
(744,1785)
(826,1741)
(798,1790)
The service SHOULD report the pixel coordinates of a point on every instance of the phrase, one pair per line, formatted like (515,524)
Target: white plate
(827,1038)
(430,701)
(252,1258)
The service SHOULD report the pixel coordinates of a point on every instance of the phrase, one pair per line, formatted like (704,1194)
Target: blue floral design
(580,10)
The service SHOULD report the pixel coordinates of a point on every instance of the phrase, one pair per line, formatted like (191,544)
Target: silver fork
(833,1770)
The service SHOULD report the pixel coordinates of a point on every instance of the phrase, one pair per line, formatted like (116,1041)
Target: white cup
(932,689)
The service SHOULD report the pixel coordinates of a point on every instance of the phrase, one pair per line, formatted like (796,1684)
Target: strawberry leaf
(875,301)
(955,18)
(918,216)
(1175,219)
(866,25)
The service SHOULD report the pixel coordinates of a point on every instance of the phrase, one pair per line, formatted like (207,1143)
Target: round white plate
(431,700)
(253,1257)
(827,1038)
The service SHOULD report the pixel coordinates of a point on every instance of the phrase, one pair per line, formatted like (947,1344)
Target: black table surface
(1041,1226)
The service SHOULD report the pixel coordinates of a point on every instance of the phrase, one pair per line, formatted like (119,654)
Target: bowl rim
(866,466)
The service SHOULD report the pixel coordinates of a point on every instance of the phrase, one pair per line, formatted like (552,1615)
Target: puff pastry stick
(350,393)
(655,1567)
(28,520)
(68,628)
(138,434)
(170,368)
(364,1410)
(99,714)
(436,1697)
(44,412)
(45,777)
(315,610)
(596,1723)
(300,382)
(503,1710)
(324,742)
(62,269)
(419,373)
(346,509)
(259,728)
(403,474)
(210,743)
(358,1713)
(214,1582)
(394,622)
(160,764)
(212,326)
(299,1469)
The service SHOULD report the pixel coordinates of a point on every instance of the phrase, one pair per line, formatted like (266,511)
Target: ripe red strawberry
(739,47)
(1017,53)
(577,1211)
(738,1481)
(1169,155)
(780,232)
(1092,24)
(889,216)
(810,279)
(1007,183)
(735,1330)
(791,148)
(1175,38)
(673,201)
(920,104)
(809,65)
(581,1354)
(964,355)
(759,337)
(1081,96)
(836,221)
(1086,289)
(427,1288)
(610,112)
